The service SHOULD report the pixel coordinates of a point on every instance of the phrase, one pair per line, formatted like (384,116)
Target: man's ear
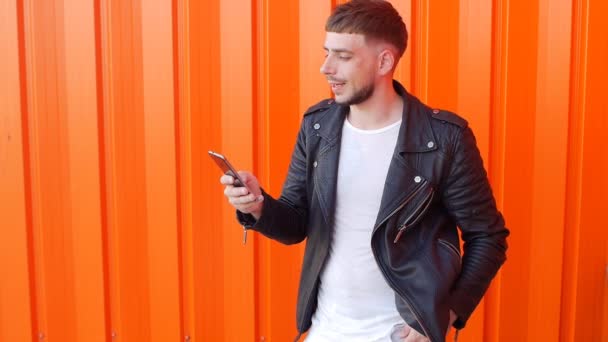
(386,61)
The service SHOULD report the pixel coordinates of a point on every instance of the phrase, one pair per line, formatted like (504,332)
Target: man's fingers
(415,336)
(242,199)
(235,191)
(227,180)
(245,208)
(400,332)
(239,196)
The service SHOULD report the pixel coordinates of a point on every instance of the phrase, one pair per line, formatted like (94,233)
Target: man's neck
(382,109)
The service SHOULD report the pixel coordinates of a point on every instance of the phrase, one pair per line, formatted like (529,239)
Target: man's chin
(341,99)
(354,98)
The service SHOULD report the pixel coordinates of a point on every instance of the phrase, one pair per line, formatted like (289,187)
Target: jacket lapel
(415,136)
(329,130)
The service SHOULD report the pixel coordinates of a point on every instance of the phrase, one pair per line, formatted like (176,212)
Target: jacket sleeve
(469,200)
(285,219)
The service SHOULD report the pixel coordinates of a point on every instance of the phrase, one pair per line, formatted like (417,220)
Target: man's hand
(240,198)
(415,336)
(453,318)
(405,333)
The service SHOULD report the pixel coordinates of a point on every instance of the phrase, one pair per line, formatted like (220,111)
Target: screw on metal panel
(114,335)
(262,338)
(187,338)
(41,336)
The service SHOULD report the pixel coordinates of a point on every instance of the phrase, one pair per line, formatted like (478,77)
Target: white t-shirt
(354,302)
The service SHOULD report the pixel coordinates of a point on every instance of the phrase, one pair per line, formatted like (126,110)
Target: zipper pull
(399,233)
(244,235)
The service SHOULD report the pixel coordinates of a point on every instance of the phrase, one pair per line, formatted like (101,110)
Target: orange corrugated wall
(113,224)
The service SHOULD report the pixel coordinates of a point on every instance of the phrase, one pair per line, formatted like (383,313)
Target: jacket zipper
(406,201)
(401,294)
(424,205)
(384,272)
(381,266)
(308,295)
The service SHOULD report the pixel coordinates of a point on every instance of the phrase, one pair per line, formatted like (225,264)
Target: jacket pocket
(454,251)
(420,207)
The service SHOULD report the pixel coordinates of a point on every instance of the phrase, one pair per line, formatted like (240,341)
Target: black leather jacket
(435,182)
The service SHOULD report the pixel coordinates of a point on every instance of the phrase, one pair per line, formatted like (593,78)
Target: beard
(360,95)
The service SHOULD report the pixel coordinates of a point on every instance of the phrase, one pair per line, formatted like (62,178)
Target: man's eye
(344,58)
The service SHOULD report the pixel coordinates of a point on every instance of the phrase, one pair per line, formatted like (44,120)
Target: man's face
(350,67)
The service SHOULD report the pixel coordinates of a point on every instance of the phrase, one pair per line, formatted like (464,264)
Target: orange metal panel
(472,101)
(281,120)
(83,159)
(586,243)
(200,122)
(117,227)
(496,156)
(183,164)
(403,73)
(48,152)
(125,174)
(419,45)
(236,83)
(549,169)
(160,161)
(604,321)
(519,29)
(442,53)
(262,296)
(15,273)
(311,35)
(474,69)
(578,71)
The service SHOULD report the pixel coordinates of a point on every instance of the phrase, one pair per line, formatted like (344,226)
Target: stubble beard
(360,96)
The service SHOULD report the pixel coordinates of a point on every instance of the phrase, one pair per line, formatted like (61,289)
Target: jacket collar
(415,133)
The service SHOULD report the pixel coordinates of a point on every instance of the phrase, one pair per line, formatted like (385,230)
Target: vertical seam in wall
(27,168)
(102,167)
(503,102)
(425,37)
(178,167)
(574,163)
(255,105)
(497,110)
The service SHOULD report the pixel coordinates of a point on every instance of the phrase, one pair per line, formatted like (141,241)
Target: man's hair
(374,19)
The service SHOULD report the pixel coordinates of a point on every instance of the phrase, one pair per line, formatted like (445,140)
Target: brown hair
(375,19)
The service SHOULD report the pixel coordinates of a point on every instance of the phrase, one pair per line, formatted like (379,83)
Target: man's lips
(336,85)
(332,82)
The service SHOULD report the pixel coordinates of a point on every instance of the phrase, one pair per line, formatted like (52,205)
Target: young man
(377,185)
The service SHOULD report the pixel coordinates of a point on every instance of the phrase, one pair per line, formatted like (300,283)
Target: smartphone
(227,168)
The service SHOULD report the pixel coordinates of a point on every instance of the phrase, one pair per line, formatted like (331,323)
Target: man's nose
(327,68)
